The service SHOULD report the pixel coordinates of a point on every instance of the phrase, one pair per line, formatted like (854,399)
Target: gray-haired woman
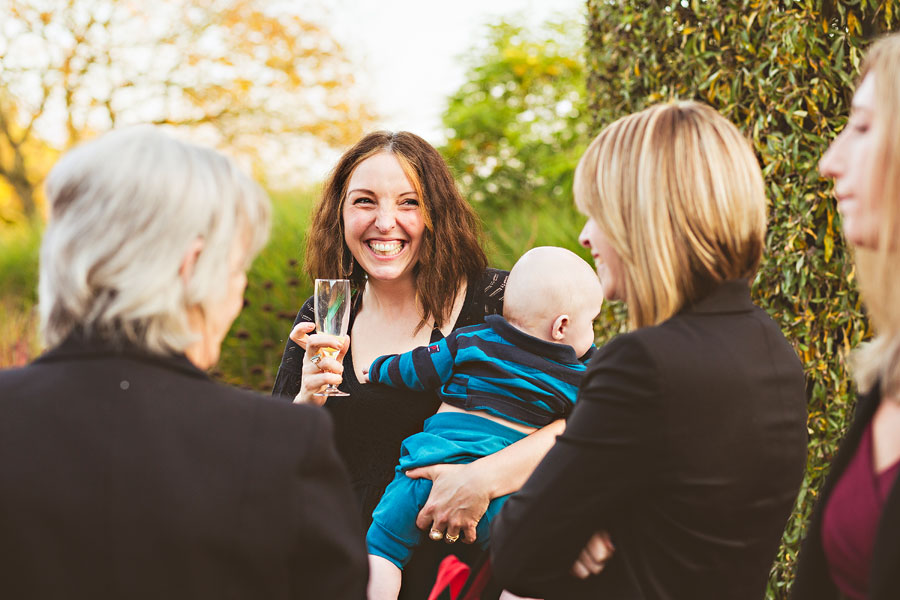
(124,470)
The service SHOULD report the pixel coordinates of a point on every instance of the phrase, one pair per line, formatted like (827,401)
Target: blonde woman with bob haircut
(852,548)
(125,471)
(684,454)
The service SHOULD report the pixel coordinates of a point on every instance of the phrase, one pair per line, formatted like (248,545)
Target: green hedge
(277,286)
(784,72)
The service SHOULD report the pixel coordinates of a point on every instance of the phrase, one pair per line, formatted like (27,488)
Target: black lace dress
(372,421)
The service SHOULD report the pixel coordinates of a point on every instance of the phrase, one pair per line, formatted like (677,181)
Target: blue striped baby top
(495,368)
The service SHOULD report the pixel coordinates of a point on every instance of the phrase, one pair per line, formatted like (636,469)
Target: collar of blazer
(78,347)
(731,296)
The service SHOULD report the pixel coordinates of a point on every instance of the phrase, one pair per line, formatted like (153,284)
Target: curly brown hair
(451,250)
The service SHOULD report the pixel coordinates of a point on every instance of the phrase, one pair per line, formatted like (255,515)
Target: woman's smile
(383,219)
(387,249)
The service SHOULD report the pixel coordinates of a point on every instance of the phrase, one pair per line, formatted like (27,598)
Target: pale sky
(410,52)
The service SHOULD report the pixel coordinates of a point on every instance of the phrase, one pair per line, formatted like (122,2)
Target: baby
(498,382)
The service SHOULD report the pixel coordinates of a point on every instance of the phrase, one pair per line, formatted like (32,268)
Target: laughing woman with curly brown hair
(392,221)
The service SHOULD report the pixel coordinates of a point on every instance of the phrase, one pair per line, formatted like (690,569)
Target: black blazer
(125,475)
(813,581)
(688,444)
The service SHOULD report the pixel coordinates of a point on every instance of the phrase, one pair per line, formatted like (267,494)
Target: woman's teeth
(386,248)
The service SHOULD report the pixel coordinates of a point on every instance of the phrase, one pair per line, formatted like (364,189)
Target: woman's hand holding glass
(325,370)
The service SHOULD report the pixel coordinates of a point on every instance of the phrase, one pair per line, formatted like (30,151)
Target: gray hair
(124,210)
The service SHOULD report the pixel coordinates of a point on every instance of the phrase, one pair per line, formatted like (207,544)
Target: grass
(511,233)
(18,333)
(277,287)
(19,246)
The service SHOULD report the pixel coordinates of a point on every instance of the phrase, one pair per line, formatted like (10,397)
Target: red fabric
(850,521)
(452,574)
(479,582)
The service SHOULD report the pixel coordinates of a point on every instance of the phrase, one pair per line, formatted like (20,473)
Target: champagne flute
(332,307)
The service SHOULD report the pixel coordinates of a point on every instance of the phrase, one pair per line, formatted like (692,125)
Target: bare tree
(259,83)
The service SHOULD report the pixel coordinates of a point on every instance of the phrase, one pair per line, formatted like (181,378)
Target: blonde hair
(679,194)
(879,360)
(124,210)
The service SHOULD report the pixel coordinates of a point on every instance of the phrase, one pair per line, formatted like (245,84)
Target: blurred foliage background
(515,130)
(783,70)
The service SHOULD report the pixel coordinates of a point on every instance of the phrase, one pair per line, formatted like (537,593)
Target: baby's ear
(365,376)
(559,327)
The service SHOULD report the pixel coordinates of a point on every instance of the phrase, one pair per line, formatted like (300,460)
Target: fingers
(318,349)
(469,532)
(317,342)
(300,332)
(309,398)
(453,531)
(461,523)
(454,528)
(449,534)
(451,538)
(451,507)
(594,555)
(319,369)
(345,346)
(314,381)
(317,363)
(600,547)
(425,520)
(579,570)
(420,473)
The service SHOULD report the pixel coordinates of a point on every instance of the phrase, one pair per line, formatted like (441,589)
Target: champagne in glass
(332,306)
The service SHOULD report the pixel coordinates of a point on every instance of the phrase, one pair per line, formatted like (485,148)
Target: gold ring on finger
(451,538)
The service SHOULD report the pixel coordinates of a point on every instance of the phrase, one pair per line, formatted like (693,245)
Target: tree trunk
(25,191)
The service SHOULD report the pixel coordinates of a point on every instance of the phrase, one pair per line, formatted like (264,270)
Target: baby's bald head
(546,282)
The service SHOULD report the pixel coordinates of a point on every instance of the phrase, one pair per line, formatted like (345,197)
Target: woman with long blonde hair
(852,549)
(687,444)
